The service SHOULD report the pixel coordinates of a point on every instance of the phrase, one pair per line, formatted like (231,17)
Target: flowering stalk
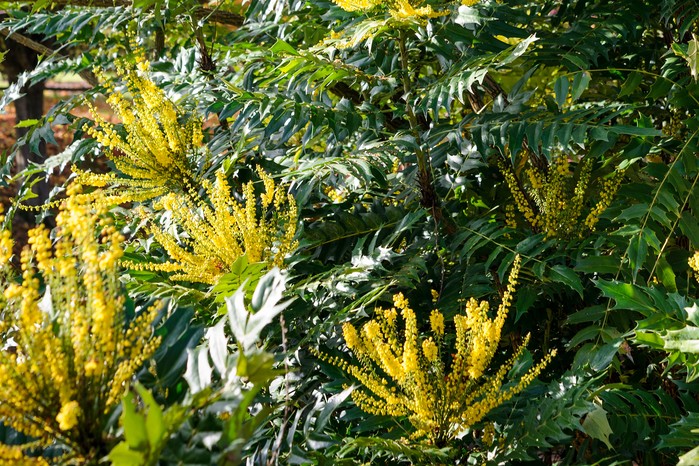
(551,203)
(402,374)
(155,152)
(221,230)
(68,351)
(154,157)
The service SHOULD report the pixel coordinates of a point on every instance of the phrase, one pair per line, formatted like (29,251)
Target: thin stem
(412,119)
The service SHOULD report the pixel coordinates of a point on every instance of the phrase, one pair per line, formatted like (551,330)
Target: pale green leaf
(596,425)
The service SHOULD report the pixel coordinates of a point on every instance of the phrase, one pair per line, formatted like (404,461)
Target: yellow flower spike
(399,301)
(429,350)
(439,404)
(153,157)
(357,5)
(437,323)
(222,230)
(68,415)
(553,201)
(694,262)
(403,9)
(73,347)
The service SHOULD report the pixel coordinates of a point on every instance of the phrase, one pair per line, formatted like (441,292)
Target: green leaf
(635,130)
(679,49)
(281,46)
(626,295)
(26,123)
(575,61)
(685,340)
(122,455)
(635,211)
(693,56)
(562,274)
(603,355)
(588,314)
(580,84)
(631,84)
(560,88)
(39,5)
(518,50)
(155,427)
(259,368)
(246,325)
(637,253)
(198,373)
(691,458)
(598,264)
(596,425)
(692,313)
(666,274)
(690,228)
(134,424)
(660,88)
(330,406)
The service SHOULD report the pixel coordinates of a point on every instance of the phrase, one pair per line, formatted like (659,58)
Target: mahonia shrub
(442,389)
(553,201)
(222,230)
(68,348)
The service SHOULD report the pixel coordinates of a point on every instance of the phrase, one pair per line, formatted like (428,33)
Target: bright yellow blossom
(553,198)
(694,262)
(399,9)
(68,415)
(403,376)
(68,349)
(156,151)
(437,323)
(222,230)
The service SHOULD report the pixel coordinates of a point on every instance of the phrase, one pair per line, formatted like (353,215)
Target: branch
(41,49)
(216,16)
(429,198)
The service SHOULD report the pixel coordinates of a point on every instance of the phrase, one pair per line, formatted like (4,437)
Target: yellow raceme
(67,352)
(154,152)
(442,390)
(398,9)
(223,229)
(553,202)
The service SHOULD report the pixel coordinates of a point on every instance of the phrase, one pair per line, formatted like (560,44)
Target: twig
(40,48)
(217,16)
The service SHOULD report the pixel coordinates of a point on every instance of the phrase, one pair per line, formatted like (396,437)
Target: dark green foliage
(391,147)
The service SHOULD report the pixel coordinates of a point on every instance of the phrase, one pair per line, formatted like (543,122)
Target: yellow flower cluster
(67,350)
(403,376)
(357,5)
(403,9)
(399,9)
(152,153)
(220,232)
(334,195)
(154,156)
(694,262)
(607,193)
(6,242)
(552,201)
